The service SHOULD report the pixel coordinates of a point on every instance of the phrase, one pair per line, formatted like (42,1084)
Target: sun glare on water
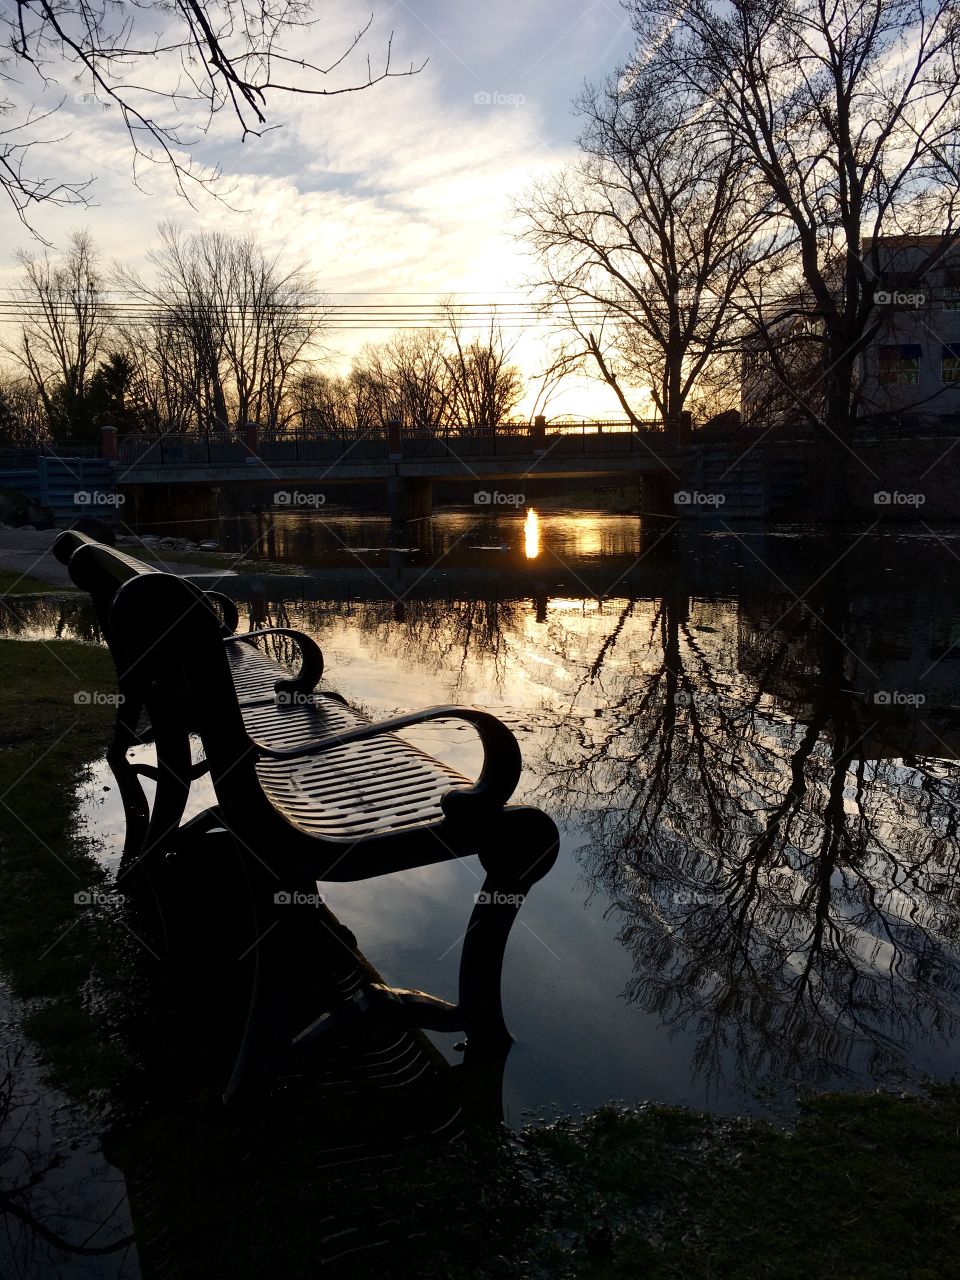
(531,535)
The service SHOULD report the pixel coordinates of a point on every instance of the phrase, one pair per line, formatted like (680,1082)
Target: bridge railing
(608,439)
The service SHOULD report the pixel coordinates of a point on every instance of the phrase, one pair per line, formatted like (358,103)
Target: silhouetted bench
(101,571)
(307,789)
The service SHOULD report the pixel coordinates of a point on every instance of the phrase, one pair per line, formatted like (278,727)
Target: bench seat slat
(385,784)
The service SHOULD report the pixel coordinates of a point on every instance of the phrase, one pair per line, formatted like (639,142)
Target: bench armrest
(228,608)
(311,658)
(499,773)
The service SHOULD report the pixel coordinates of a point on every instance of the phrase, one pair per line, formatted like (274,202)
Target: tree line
(222,334)
(738,184)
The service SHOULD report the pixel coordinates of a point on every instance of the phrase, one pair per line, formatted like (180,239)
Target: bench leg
(174,776)
(136,810)
(515,865)
(303,958)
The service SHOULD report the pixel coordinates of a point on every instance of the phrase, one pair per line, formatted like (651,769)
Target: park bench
(100,571)
(307,790)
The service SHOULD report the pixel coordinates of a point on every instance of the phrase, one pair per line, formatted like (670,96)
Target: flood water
(749,740)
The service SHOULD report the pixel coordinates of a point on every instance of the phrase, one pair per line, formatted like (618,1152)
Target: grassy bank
(51,947)
(864,1187)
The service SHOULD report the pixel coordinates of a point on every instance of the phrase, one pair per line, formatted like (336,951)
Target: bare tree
(233,323)
(485,387)
(64,321)
(848,114)
(409,378)
(652,230)
(423,378)
(164,369)
(167,69)
(333,406)
(22,419)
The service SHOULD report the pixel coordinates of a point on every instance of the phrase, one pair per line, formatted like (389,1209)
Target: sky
(405,188)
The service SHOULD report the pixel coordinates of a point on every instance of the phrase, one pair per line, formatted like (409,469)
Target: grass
(52,949)
(863,1187)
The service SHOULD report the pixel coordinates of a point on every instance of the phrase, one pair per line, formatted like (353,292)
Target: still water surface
(749,740)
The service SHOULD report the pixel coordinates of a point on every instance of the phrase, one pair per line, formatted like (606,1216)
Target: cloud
(405,187)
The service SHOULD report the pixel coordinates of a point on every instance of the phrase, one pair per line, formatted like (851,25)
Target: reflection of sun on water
(589,537)
(531,535)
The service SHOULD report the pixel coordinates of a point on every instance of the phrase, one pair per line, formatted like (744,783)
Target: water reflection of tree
(440,634)
(787,889)
(53,617)
(35,1225)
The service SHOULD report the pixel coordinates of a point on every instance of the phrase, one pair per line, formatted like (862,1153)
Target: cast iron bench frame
(175,650)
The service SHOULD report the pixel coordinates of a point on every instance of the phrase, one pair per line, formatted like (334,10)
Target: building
(913,362)
(911,366)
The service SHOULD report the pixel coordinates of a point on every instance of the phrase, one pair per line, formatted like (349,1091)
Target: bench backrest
(101,570)
(174,662)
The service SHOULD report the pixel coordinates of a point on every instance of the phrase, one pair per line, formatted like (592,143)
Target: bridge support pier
(159,508)
(409,498)
(656,498)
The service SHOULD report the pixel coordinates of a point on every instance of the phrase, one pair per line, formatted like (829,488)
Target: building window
(951,290)
(900,364)
(950,362)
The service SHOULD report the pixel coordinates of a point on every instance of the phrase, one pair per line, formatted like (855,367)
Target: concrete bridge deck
(408,465)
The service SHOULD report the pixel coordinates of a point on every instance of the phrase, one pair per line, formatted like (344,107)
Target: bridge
(407,463)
